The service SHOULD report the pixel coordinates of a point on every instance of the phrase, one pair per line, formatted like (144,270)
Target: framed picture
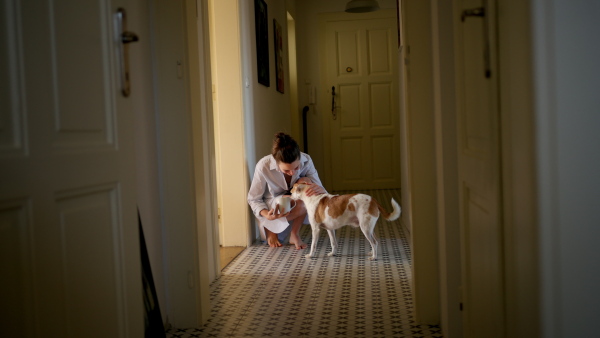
(278,55)
(261,22)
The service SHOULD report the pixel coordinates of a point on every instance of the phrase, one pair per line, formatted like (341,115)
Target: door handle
(129,37)
(481,12)
(333,112)
(123,38)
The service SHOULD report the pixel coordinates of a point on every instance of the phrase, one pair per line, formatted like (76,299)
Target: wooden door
(479,170)
(68,224)
(364,132)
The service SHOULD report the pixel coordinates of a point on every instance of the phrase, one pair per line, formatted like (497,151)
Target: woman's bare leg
(272,239)
(295,235)
(297,217)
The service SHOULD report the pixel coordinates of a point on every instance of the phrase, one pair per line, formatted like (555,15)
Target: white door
(479,166)
(68,223)
(362,106)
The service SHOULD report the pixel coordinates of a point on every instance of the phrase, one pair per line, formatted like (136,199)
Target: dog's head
(299,189)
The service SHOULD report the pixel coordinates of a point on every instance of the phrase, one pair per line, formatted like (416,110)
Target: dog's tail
(394,214)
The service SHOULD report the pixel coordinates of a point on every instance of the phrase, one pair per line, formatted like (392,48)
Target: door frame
(518,156)
(186,158)
(515,54)
(228,109)
(519,177)
(445,117)
(325,104)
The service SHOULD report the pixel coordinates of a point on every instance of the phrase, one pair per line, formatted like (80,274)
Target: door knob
(333,112)
(123,38)
(479,11)
(129,37)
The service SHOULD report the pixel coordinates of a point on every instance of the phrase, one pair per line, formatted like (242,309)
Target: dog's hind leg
(368,232)
(333,241)
(315,239)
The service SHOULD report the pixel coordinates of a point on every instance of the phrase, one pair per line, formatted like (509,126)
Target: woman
(274,177)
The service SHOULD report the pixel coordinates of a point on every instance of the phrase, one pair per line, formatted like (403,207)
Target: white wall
(567,106)
(267,107)
(266,111)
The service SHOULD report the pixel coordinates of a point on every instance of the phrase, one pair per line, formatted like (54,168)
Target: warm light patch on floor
(228,253)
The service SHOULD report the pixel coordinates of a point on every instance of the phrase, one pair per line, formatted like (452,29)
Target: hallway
(279,293)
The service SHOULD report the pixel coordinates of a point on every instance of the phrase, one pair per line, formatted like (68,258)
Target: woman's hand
(273,214)
(315,189)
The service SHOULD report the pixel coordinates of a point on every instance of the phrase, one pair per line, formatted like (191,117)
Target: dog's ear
(306,186)
(299,187)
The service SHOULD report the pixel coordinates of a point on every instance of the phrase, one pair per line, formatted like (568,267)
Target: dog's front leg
(315,239)
(333,241)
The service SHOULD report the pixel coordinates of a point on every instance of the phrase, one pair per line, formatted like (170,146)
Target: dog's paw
(372,258)
(308,256)
(331,254)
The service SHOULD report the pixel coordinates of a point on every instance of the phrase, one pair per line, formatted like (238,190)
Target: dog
(332,212)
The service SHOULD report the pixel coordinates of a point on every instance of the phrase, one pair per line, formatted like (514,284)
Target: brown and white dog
(332,212)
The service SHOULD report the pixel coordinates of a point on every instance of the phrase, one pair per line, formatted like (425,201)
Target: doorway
(361,123)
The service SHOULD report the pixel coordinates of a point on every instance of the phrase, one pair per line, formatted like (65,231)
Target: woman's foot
(272,239)
(297,241)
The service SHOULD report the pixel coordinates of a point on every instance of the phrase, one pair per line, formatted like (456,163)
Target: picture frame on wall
(279,77)
(261,19)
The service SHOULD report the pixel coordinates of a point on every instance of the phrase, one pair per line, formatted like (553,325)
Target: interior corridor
(280,293)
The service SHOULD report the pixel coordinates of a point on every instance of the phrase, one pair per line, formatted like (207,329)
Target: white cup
(285,204)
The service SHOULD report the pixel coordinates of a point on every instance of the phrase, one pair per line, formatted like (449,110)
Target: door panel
(351,147)
(11,82)
(381,105)
(479,174)
(380,146)
(67,171)
(351,119)
(76,68)
(15,251)
(364,125)
(379,53)
(347,50)
(89,232)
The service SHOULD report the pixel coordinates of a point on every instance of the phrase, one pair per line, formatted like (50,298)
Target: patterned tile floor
(269,292)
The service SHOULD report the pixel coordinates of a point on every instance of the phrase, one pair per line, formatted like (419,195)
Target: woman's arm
(312,177)
(256,193)
(310,172)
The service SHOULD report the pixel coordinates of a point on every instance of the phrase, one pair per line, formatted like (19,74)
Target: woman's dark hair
(285,148)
